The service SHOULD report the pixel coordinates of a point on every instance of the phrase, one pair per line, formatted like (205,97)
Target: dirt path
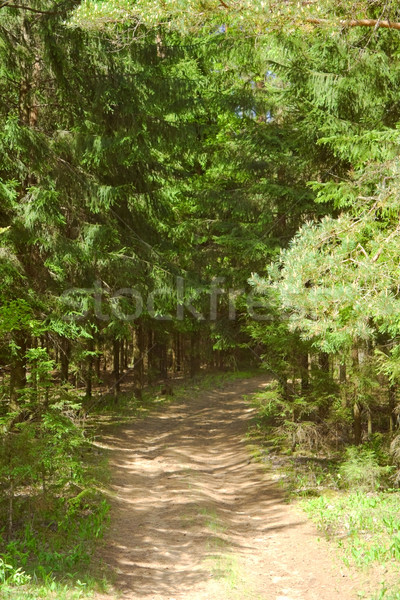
(194,519)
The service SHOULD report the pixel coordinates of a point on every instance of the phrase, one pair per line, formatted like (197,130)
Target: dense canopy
(191,185)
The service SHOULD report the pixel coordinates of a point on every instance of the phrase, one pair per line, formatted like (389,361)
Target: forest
(191,187)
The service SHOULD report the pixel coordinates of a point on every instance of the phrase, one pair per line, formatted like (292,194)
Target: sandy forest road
(192,518)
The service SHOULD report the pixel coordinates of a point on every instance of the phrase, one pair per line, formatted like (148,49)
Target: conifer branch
(357,23)
(29,8)
(381,249)
(363,251)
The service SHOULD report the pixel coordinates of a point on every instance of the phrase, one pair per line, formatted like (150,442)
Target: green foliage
(365,525)
(207,142)
(50,505)
(361,469)
(251,17)
(11,575)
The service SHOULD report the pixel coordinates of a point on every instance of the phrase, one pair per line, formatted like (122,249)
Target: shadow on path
(184,488)
(186,494)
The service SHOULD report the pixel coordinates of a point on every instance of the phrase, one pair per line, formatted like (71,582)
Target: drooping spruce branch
(9,4)
(196,15)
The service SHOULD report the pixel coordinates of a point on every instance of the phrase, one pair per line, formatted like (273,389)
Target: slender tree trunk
(126,355)
(151,355)
(162,356)
(116,370)
(324,362)
(342,374)
(65,352)
(357,423)
(194,354)
(97,362)
(89,372)
(144,351)
(357,405)
(305,376)
(138,360)
(178,353)
(221,361)
(28,116)
(173,357)
(392,392)
(18,369)
(10,508)
(285,389)
(343,384)
(369,421)
(122,355)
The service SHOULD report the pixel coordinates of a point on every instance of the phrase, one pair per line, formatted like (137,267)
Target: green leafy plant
(12,575)
(361,469)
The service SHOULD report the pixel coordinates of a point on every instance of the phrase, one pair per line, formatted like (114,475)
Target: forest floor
(193,517)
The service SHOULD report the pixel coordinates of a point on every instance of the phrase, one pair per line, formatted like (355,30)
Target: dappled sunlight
(184,490)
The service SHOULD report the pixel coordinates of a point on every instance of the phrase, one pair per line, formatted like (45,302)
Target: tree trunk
(122,355)
(89,372)
(392,406)
(97,363)
(343,384)
(342,374)
(194,354)
(369,418)
(65,352)
(10,507)
(116,371)
(18,369)
(178,353)
(138,361)
(151,355)
(162,356)
(305,376)
(324,362)
(357,425)
(127,354)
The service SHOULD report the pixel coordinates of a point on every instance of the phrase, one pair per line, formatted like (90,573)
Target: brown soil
(193,518)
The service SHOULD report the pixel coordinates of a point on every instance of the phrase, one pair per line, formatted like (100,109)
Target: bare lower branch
(357,23)
(29,8)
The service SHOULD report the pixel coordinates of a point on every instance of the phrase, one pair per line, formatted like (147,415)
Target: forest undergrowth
(55,484)
(351,492)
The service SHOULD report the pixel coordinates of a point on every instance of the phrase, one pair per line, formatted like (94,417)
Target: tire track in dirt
(193,518)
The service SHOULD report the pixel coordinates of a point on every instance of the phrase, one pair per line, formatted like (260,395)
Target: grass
(366,526)
(366,529)
(212,521)
(387,594)
(54,537)
(54,559)
(224,567)
(223,564)
(54,591)
(50,557)
(347,493)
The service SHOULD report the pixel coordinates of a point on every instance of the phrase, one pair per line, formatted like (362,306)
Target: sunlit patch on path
(193,518)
